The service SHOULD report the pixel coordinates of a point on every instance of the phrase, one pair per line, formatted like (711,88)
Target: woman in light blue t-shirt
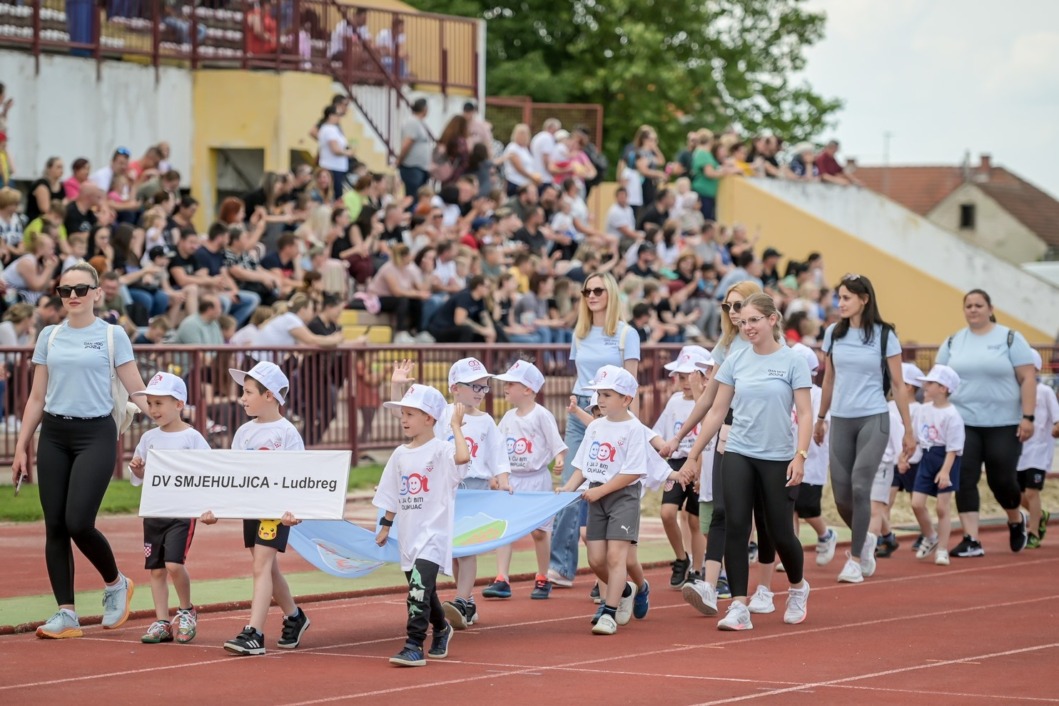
(854,392)
(600,338)
(71,401)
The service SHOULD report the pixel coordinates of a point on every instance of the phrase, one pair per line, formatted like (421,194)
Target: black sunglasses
(594,292)
(80,290)
(733,306)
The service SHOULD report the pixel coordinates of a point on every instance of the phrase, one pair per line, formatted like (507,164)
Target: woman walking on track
(863,358)
(600,338)
(996,398)
(72,401)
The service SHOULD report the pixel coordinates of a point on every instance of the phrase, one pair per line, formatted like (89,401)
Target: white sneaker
(701,596)
(761,601)
(403,337)
(624,612)
(942,557)
(737,618)
(61,625)
(867,555)
(559,580)
(605,626)
(797,604)
(825,550)
(927,548)
(116,601)
(424,337)
(851,572)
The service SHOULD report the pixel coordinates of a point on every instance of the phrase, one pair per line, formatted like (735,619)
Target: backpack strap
(884,338)
(1011,337)
(948,342)
(110,349)
(54,333)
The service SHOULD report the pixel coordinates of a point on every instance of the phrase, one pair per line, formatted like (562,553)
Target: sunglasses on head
(850,277)
(594,292)
(732,306)
(80,290)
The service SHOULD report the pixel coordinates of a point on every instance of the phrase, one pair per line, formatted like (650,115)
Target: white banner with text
(250,485)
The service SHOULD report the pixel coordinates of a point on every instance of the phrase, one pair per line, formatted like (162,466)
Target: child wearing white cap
(680,504)
(166,541)
(1036,459)
(940,434)
(418,486)
(489,467)
(532,439)
(905,473)
(265,390)
(612,458)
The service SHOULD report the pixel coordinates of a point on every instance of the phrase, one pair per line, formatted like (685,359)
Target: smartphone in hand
(18,483)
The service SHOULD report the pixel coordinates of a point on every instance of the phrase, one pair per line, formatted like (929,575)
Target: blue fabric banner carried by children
(485,520)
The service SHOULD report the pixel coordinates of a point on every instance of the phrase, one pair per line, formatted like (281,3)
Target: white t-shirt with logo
(676,412)
(488,455)
(612,448)
(531,441)
(419,486)
(819,454)
(939,427)
(279,435)
(1039,450)
(155,438)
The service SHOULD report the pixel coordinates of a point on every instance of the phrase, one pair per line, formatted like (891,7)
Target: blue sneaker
(542,589)
(439,646)
(61,625)
(641,603)
(116,602)
(409,656)
(723,590)
(497,589)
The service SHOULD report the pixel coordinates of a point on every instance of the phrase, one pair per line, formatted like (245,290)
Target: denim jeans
(156,303)
(430,307)
(413,178)
(567,528)
(242,309)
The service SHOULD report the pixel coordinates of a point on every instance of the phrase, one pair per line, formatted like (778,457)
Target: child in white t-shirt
(418,486)
(905,473)
(531,436)
(879,525)
(489,469)
(166,541)
(940,434)
(613,459)
(1036,460)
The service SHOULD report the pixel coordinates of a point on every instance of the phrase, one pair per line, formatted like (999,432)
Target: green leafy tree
(673,65)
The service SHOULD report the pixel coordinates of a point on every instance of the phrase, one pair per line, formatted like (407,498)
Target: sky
(944,78)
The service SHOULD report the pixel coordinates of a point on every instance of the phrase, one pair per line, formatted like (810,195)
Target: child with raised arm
(940,434)
(613,459)
(264,391)
(468,384)
(532,438)
(1036,460)
(166,541)
(418,486)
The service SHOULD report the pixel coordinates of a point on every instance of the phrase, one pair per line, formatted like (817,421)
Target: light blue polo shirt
(596,350)
(764,395)
(858,388)
(988,395)
(79,368)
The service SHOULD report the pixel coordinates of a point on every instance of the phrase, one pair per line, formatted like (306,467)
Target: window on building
(967,216)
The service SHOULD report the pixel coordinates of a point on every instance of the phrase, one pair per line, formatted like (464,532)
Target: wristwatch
(803,454)
(1029,418)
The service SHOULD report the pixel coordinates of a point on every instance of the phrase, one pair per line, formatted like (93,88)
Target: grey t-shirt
(194,331)
(421,151)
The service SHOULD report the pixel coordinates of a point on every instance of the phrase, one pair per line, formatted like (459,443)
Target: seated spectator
(770,276)
(11,224)
(246,271)
(292,328)
(802,166)
(658,211)
(53,216)
(113,308)
(17,328)
(157,332)
(645,258)
(645,323)
(744,265)
(202,328)
(228,327)
(80,170)
(247,335)
(532,312)
(49,311)
(518,162)
(283,263)
(46,190)
(210,262)
(33,275)
(262,33)
(830,170)
(464,317)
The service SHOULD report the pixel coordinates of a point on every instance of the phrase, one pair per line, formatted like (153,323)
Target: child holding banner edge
(264,391)
(166,541)
(418,486)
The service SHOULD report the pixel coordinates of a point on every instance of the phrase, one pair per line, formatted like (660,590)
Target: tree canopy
(673,65)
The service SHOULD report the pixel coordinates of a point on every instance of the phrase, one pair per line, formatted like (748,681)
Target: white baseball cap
(266,373)
(911,374)
(691,359)
(620,380)
(809,354)
(422,397)
(1037,362)
(593,401)
(944,375)
(467,370)
(165,385)
(524,373)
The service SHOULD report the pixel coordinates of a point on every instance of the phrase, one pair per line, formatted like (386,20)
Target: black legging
(745,481)
(406,311)
(999,448)
(75,460)
(715,538)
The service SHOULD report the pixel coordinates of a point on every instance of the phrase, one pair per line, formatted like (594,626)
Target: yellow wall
(924,309)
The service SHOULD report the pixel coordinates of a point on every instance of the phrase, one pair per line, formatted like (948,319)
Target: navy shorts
(1031,479)
(932,461)
(904,482)
(265,533)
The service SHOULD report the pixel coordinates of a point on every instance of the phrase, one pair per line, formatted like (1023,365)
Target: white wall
(65,111)
(905,235)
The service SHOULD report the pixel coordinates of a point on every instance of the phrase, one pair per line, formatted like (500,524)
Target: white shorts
(536,482)
(880,484)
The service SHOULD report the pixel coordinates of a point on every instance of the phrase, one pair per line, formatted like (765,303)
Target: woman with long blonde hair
(600,338)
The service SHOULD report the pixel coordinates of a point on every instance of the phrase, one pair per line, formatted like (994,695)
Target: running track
(981,631)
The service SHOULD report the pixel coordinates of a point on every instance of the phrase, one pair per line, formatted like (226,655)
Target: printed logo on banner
(477,529)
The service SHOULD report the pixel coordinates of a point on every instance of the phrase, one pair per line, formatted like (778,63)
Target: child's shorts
(807,502)
(166,541)
(535,482)
(475,483)
(615,516)
(265,533)
(904,482)
(705,515)
(676,494)
(1031,479)
(932,461)
(880,484)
